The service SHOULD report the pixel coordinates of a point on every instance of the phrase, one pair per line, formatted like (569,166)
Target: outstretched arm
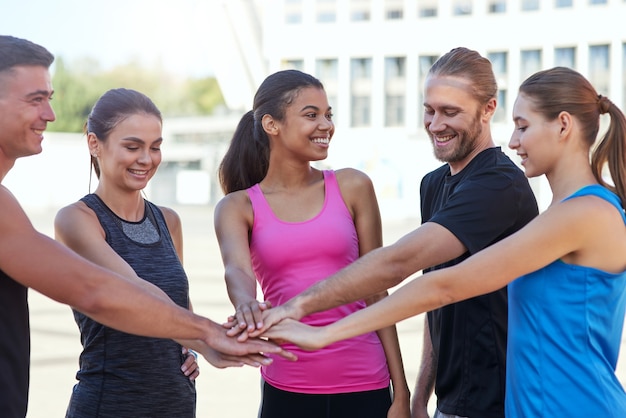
(110,299)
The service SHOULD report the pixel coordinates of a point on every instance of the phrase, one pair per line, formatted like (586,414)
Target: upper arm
(233,222)
(358,193)
(174,226)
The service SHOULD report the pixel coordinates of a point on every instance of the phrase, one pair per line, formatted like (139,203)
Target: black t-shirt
(14,348)
(485,202)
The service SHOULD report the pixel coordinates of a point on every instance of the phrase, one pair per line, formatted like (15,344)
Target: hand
(190,367)
(247,318)
(275,315)
(400,408)
(304,336)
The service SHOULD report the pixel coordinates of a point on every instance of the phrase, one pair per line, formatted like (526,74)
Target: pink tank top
(287,258)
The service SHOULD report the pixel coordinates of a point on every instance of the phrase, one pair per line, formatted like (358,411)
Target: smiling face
(25,94)
(307,126)
(454,119)
(534,138)
(131,154)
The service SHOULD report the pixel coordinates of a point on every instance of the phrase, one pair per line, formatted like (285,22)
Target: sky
(170,33)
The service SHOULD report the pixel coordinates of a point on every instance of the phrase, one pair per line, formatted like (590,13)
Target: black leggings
(277,403)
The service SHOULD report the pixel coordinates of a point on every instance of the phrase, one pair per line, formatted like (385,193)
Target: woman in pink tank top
(287,225)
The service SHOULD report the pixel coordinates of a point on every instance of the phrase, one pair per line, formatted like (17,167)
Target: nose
(514,141)
(47,112)
(434,122)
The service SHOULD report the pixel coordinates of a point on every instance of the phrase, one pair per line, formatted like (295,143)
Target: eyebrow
(141,141)
(40,93)
(314,108)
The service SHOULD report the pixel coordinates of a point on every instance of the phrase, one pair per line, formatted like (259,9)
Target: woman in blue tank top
(123,375)
(566,268)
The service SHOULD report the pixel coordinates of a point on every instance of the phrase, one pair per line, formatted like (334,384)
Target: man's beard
(465,144)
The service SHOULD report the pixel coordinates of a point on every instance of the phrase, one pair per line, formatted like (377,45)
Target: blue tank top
(565,329)
(124,375)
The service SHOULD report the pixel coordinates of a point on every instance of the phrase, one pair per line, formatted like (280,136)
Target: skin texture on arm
(377,271)
(425,383)
(39,262)
(233,221)
(547,238)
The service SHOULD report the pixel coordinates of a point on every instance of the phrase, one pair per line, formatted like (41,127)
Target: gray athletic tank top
(123,375)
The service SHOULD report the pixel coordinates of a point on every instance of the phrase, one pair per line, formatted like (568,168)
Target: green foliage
(79,85)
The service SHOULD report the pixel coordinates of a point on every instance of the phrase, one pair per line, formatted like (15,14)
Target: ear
(269,125)
(490,108)
(93,144)
(565,124)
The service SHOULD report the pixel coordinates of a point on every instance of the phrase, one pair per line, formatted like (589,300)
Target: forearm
(373,273)
(389,339)
(426,376)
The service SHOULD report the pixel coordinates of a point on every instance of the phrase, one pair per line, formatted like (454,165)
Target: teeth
(444,138)
(321,140)
(38,131)
(138,172)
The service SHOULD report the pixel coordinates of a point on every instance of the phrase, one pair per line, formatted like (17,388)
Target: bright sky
(173,33)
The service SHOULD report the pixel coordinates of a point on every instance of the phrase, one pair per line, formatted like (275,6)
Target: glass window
(499,63)
(565,57)
(599,62)
(529,5)
(395,90)
(427,8)
(394,9)
(360,10)
(326,11)
(293,11)
(361,91)
(563,3)
(597,1)
(327,71)
(295,64)
(424,62)
(530,62)
(500,114)
(461,7)
(497,6)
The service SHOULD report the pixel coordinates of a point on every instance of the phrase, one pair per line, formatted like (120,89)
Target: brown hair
(562,89)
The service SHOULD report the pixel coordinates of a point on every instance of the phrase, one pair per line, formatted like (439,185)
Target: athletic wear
(14,348)
(565,326)
(485,202)
(287,258)
(124,375)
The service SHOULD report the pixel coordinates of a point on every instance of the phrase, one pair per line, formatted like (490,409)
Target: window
(326,11)
(499,63)
(563,3)
(565,57)
(461,7)
(501,113)
(529,5)
(599,67)
(327,71)
(395,88)
(293,11)
(424,62)
(597,1)
(361,91)
(394,9)
(497,6)
(359,10)
(427,8)
(530,62)
(295,64)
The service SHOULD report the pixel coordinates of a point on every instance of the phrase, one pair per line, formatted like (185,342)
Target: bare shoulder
(13,216)
(351,179)
(234,203)
(74,213)
(171,217)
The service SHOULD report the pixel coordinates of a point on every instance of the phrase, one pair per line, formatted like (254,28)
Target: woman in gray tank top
(123,375)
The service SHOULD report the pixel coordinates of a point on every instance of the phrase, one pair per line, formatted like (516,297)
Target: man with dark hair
(29,259)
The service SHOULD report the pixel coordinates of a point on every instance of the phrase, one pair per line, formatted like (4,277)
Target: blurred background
(201,62)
